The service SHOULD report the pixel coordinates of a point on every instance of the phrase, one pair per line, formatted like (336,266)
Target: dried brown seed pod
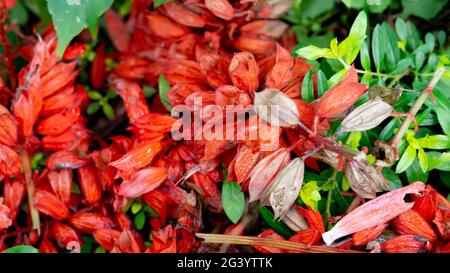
(276,108)
(363,178)
(366,116)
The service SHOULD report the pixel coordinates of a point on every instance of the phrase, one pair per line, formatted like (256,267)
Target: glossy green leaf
(310,194)
(378,46)
(392,179)
(388,131)
(164,88)
(136,207)
(322,85)
(401,29)
(307,87)
(93,108)
(233,201)
(336,78)
(21,249)
(437,142)
(158,3)
(365,57)
(392,50)
(314,53)
(139,220)
(425,9)
(19,13)
(439,161)
(406,160)
(420,59)
(423,160)
(70,17)
(415,173)
(108,111)
(94,95)
(278,226)
(401,66)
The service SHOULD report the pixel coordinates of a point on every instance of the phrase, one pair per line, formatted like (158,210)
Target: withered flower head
(363,178)
(276,108)
(388,95)
(377,211)
(294,220)
(366,116)
(284,189)
(327,156)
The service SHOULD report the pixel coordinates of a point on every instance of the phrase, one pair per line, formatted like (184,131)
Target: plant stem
(30,191)
(268,242)
(330,196)
(398,77)
(416,107)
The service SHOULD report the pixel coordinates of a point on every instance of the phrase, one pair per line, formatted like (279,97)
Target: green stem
(330,196)
(416,107)
(398,77)
(30,191)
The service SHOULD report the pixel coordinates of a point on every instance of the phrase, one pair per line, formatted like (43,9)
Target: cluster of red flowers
(212,50)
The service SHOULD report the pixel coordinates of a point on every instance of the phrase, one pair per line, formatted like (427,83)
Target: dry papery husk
(276,108)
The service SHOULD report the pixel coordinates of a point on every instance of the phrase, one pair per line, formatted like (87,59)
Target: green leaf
(92,108)
(136,207)
(345,184)
(388,131)
(359,26)
(378,6)
(158,3)
(444,120)
(423,160)
(310,194)
(392,179)
(164,87)
(353,140)
(108,111)
(420,59)
(355,4)
(21,249)
(110,94)
(72,16)
(139,220)
(425,9)
(402,65)
(415,173)
(378,46)
(392,50)
(438,142)
(430,41)
(94,95)
(440,161)
(100,250)
(401,29)
(149,91)
(19,14)
(336,78)
(39,8)
(312,9)
(365,57)
(233,201)
(406,160)
(314,53)
(322,85)
(278,226)
(307,88)
(350,47)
